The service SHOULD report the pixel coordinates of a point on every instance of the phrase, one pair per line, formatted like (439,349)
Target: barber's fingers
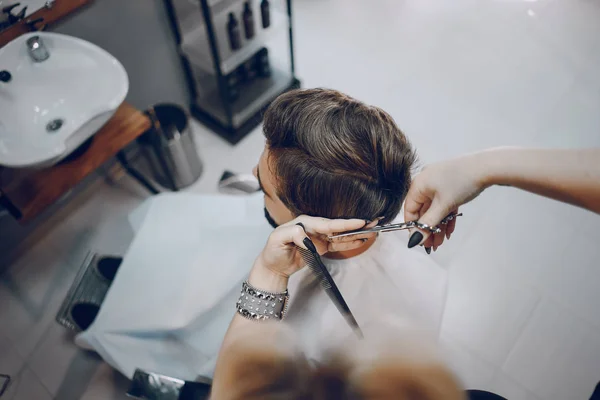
(286,235)
(319,228)
(428,243)
(451,225)
(345,246)
(438,238)
(296,235)
(417,201)
(351,238)
(280,253)
(436,212)
(432,217)
(352,242)
(325,226)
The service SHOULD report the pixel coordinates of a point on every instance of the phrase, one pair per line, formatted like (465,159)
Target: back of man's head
(335,157)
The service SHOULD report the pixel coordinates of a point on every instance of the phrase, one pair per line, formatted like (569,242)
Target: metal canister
(170,148)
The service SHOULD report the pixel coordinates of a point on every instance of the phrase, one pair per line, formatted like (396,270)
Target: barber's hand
(438,191)
(280,254)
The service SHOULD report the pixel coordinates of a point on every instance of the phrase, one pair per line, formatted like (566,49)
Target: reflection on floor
(457,75)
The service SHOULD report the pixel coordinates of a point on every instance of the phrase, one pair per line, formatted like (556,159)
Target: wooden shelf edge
(32,191)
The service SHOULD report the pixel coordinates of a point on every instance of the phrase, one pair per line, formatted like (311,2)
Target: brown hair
(263,363)
(336,157)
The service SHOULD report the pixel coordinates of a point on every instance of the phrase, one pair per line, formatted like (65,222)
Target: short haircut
(333,156)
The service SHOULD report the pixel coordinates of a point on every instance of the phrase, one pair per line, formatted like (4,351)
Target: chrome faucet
(37,49)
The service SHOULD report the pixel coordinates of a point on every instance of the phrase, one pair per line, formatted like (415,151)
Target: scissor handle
(400,226)
(435,229)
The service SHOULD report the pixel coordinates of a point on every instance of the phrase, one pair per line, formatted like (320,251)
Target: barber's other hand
(439,190)
(280,254)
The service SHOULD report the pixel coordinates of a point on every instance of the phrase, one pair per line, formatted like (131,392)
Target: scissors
(399,226)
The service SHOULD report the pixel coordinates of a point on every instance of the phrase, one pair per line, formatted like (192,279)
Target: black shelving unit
(211,65)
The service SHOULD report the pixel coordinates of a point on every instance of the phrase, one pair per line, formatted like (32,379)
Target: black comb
(313,260)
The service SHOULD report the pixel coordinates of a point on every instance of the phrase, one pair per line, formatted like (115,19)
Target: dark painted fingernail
(301,225)
(415,239)
(428,250)
(309,245)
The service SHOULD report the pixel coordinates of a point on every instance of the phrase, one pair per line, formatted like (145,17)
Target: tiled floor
(457,75)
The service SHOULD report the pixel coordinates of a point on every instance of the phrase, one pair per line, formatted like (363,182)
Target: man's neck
(342,255)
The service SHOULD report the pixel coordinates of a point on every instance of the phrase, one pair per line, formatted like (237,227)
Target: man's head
(329,155)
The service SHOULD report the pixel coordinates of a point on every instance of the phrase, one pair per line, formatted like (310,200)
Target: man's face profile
(276,212)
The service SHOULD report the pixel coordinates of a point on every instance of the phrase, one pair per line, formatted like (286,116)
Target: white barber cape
(174,295)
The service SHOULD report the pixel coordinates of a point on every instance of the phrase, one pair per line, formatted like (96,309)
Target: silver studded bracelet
(259,305)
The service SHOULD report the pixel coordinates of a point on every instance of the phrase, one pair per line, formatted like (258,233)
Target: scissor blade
(383,228)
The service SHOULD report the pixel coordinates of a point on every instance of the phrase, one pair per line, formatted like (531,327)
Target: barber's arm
(269,275)
(570,176)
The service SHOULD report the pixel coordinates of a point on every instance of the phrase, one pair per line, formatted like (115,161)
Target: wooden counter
(27,192)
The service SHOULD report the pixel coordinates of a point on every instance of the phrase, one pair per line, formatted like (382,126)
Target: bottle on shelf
(261,61)
(234,33)
(265,13)
(250,69)
(233,91)
(247,72)
(242,73)
(248,17)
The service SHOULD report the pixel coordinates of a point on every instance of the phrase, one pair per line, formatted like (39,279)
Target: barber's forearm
(261,278)
(571,176)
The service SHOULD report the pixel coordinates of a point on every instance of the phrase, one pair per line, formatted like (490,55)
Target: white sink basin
(49,108)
